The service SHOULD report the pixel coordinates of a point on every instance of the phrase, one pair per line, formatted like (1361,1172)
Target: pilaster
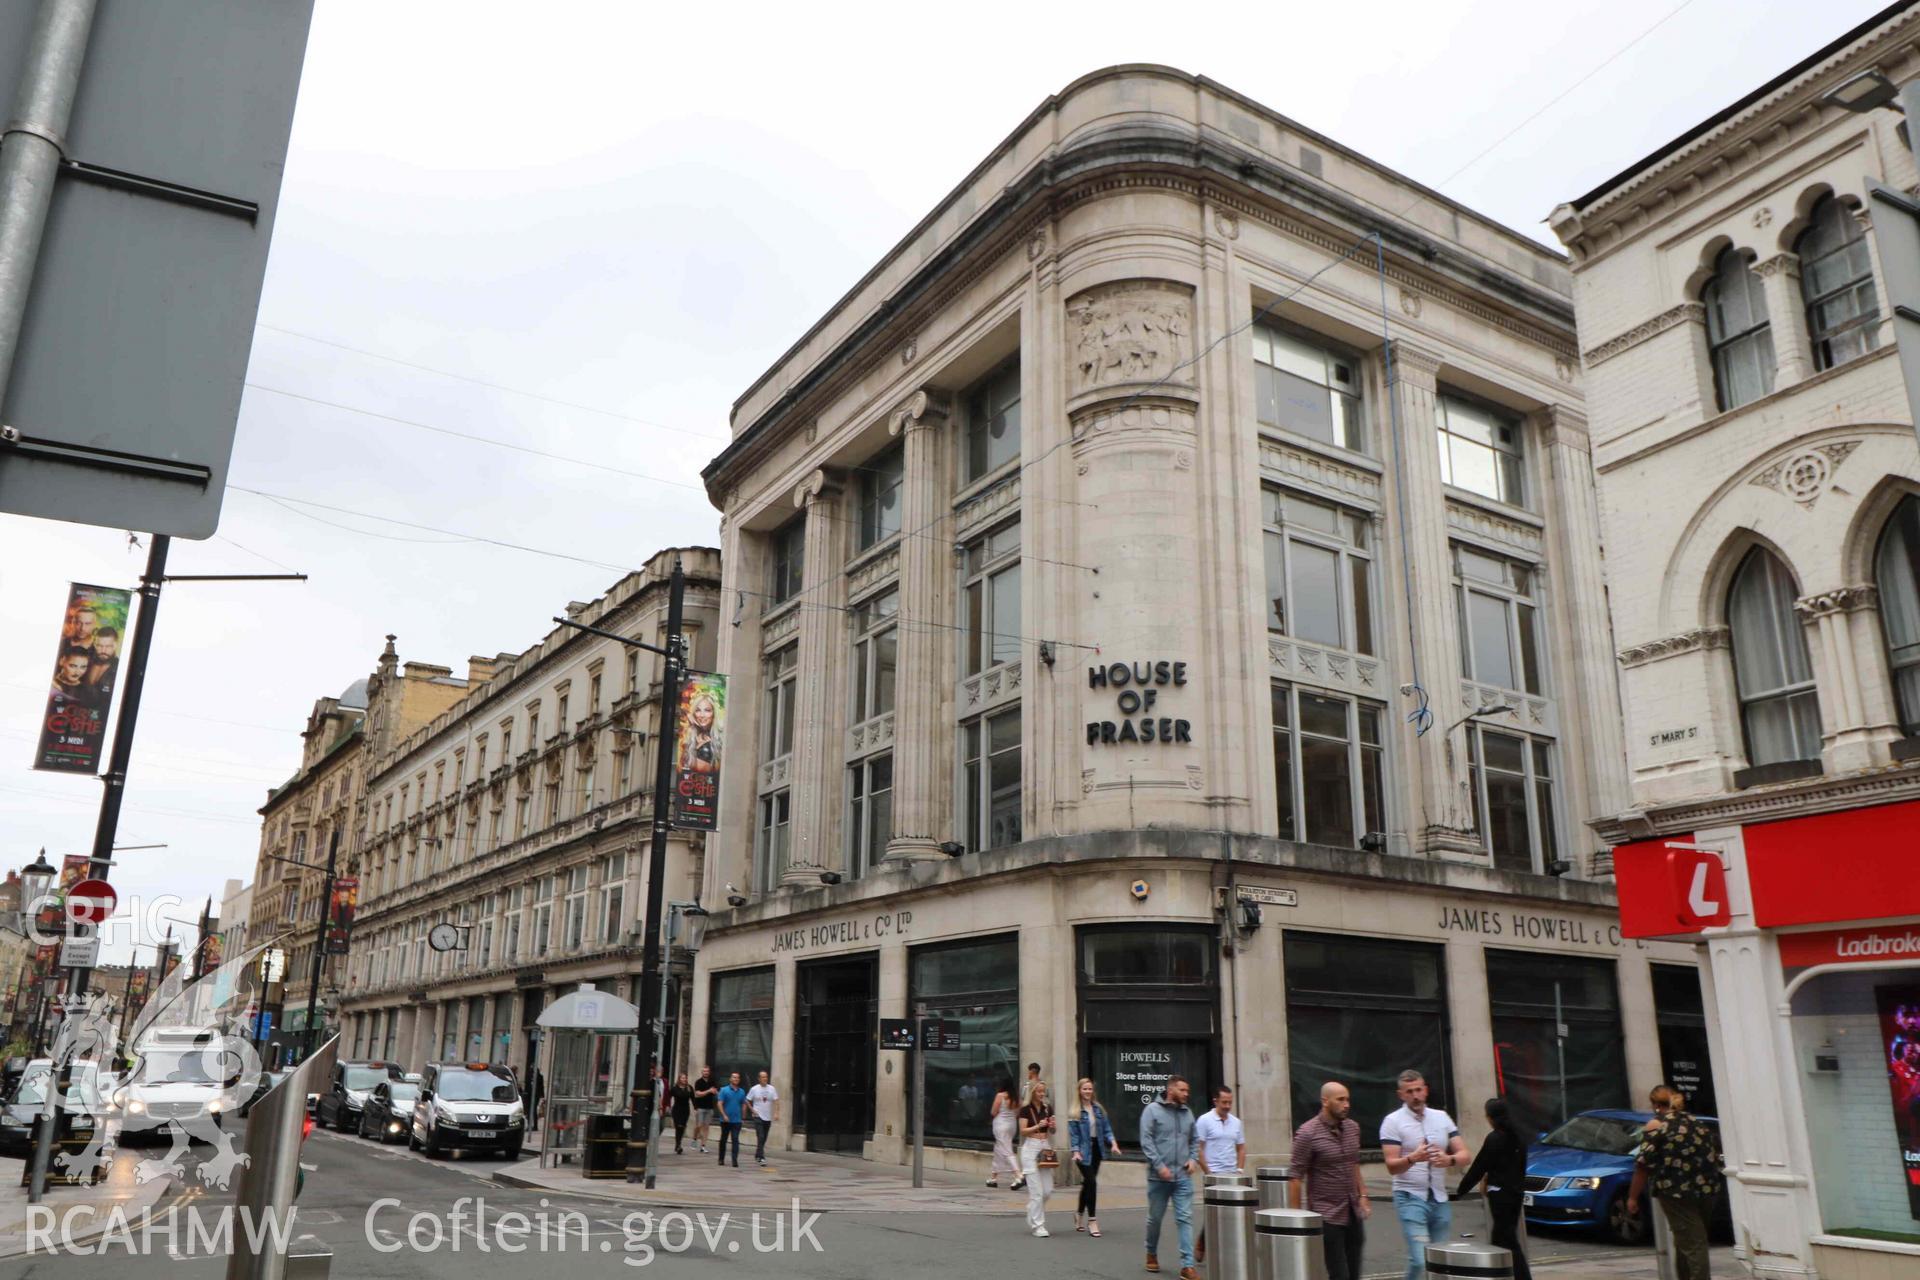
(817,718)
(1588,691)
(1443,820)
(918,775)
(1787,313)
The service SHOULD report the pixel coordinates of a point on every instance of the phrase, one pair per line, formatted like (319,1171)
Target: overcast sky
(634,209)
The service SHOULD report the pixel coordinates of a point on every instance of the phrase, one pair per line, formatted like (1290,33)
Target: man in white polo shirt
(1221,1143)
(1420,1144)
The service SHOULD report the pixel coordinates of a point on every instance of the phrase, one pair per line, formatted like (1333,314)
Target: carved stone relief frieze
(1806,475)
(1131,331)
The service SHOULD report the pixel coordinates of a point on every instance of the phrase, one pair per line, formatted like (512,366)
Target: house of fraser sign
(1136,689)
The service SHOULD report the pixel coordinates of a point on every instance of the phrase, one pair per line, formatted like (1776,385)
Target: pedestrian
(706,1092)
(1326,1160)
(731,1101)
(1220,1145)
(1680,1161)
(1006,1125)
(1026,1096)
(1037,1156)
(1502,1161)
(764,1100)
(1420,1143)
(1166,1140)
(682,1098)
(1091,1134)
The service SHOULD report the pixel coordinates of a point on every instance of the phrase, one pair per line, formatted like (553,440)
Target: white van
(180,1075)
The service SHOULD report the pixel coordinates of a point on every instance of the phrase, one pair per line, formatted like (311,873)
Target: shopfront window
(977,983)
(477,1029)
(1361,1011)
(1857,1036)
(740,1023)
(1557,1039)
(1680,1016)
(1149,1001)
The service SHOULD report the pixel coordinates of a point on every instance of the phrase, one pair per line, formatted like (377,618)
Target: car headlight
(1584,1184)
(213,1107)
(136,1108)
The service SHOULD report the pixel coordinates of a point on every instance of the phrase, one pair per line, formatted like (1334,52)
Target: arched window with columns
(1739,336)
(1896,571)
(1779,710)
(1836,278)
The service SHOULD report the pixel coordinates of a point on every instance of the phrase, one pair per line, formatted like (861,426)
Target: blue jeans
(1180,1191)
(1423,1220)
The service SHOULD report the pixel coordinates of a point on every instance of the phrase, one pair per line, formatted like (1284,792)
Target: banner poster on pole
(43,959)
(1900,1041)
(137,990)
(700,723)
(212,952)
(85,669)
(346,896)
(73,869)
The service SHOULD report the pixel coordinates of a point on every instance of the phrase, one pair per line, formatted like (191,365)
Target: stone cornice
(1685,313)
(1672,646)
(1116,160)
(1765,804)
(1748,138)
(1564,424)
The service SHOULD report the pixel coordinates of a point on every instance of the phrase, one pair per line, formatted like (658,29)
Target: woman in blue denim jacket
(1092,1136)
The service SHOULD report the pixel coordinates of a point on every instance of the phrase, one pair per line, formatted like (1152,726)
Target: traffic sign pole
(919,1095)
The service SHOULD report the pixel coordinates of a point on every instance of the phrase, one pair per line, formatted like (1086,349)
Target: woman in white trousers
(1036,1135)
(1006,1128)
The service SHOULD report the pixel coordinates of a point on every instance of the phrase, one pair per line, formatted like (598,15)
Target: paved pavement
(391,1213)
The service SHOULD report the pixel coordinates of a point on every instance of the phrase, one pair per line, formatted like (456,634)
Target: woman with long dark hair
(1503,1163)
(1006,1126)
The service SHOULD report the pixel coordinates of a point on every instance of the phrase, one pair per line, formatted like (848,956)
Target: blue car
(1578,1175)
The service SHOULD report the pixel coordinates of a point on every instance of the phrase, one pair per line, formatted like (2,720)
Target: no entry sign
(90,902)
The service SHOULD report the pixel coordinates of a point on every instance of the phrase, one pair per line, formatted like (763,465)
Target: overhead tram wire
(482,382)
(901,620)
(578,461)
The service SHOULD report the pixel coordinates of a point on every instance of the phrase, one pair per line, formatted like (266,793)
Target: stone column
(1133,406)
(1854,738)
(817,719)
(1787,313)
(1586,687)
(1443,819)
(919,778)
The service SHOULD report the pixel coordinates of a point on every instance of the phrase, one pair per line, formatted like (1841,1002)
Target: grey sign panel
(140,319)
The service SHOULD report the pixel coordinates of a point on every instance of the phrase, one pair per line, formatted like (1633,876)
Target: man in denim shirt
(1166,1140)
(1420,1144)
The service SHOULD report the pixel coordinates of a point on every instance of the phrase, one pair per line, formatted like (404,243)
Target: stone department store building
(1131,663)
(1760,484)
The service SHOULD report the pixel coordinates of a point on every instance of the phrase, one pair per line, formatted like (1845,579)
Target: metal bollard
(1288,1244)
(1227,1178)
(1461,1260)
(1275,1182)
(1666,1255)
(1229,1224)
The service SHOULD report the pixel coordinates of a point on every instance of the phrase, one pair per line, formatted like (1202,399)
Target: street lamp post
(696,918)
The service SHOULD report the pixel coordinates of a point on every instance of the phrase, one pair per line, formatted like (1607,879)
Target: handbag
(1047,1158)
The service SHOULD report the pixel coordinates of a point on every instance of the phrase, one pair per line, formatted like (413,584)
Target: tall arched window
(1738,334)
(1896,570)
(1836,278)
(1779,711)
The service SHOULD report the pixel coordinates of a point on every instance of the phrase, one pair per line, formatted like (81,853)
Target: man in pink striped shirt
(1326,1161)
